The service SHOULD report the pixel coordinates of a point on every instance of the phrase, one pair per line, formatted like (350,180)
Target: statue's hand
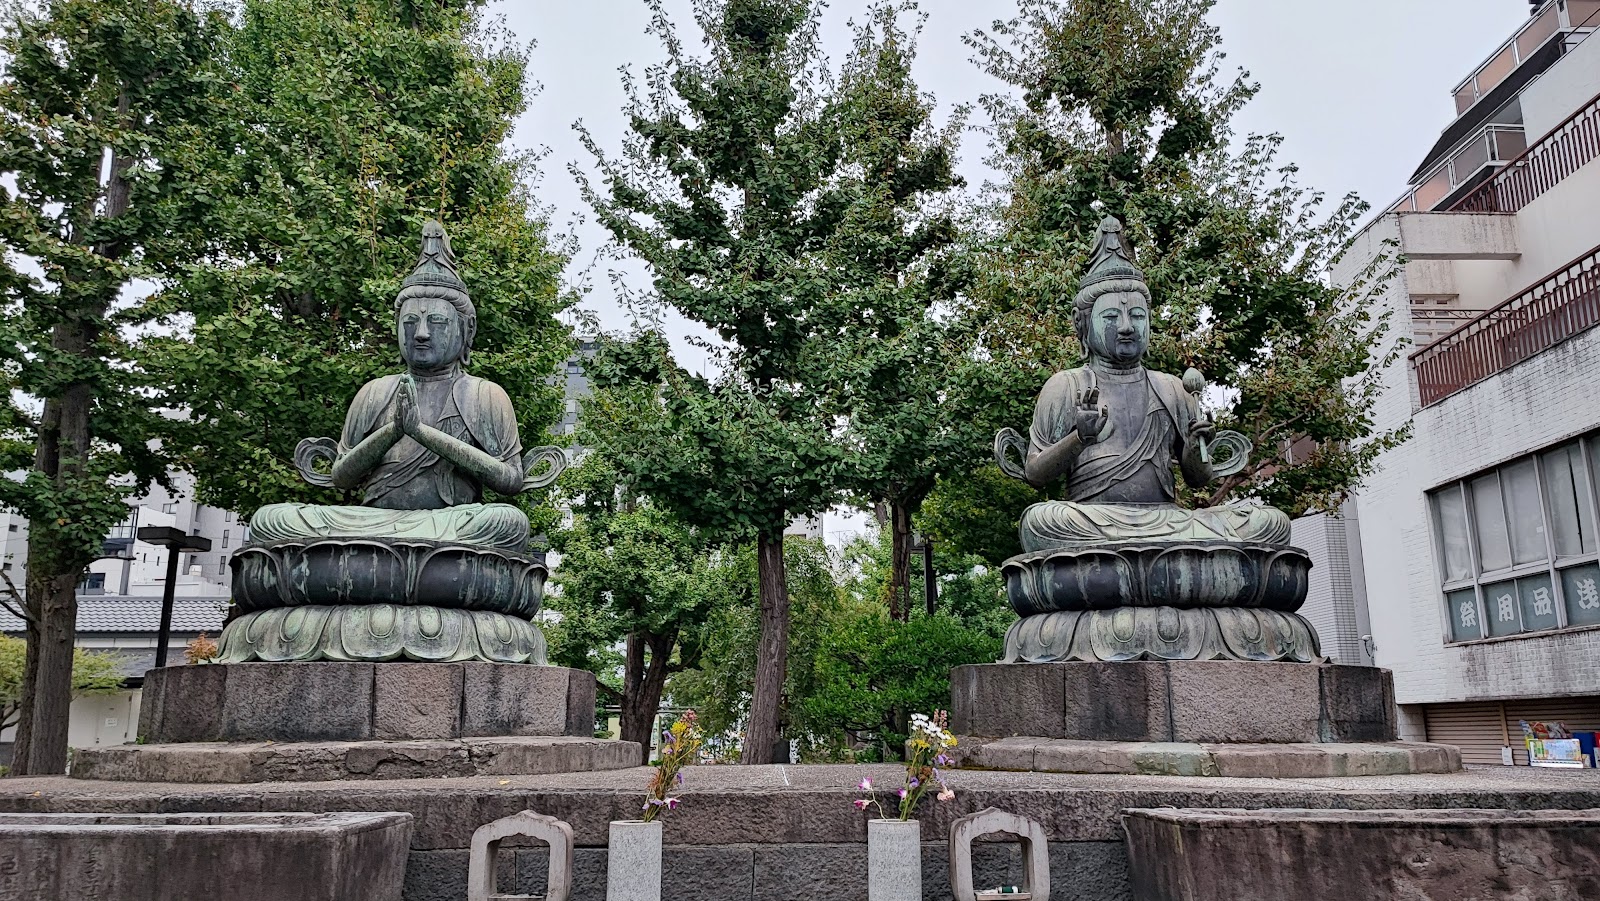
(1202,429)
(406,418)
(1091,415)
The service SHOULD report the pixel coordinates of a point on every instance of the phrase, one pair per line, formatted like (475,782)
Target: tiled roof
(118,613)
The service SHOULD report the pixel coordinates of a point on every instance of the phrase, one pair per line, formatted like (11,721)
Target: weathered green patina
(420,447)
(1117,434)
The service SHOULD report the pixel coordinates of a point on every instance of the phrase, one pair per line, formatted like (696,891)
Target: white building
(119,601)
(1477,543)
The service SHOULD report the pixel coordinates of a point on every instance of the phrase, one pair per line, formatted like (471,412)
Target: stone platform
(327,701)
(775,833)
(323,761)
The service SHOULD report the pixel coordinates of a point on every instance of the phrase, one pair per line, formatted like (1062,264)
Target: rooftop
(121,614)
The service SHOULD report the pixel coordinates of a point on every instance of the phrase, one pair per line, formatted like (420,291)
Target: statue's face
(1119,327)
(431,334)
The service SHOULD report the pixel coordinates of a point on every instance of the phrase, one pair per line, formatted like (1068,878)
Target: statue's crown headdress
(436,266)
(1112,259)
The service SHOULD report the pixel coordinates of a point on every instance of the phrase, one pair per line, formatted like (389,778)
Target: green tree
(348,125)
(1120,107)
(103,104)
(892,364)
(721,189)
(630,572)
(93,673)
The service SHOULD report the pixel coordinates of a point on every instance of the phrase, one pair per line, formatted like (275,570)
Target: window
(224,537)
(1518,547)
(169,507)
(11,527)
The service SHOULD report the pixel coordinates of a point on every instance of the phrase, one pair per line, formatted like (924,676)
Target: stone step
(233,762)
(1249,761)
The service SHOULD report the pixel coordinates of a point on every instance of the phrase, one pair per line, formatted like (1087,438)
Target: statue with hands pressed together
(421,568)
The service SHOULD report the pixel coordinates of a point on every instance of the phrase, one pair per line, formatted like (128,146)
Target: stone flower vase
(894,860)
(633,861)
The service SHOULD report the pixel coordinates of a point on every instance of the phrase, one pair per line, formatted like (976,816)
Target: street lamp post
(176,542)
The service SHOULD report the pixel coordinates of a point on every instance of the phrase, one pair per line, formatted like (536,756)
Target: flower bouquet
(633,864)
(894,845)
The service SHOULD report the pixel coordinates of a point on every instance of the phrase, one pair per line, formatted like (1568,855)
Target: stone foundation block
(327,701)
(1175,701)
(240,856)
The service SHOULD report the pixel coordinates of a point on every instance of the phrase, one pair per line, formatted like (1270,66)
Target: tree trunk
(55,564)
(761,734)
(900,562)
(642,683)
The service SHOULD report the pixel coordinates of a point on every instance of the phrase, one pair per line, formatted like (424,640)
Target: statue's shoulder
(1067,381)
(1166,381)
(380,388)
(481,391)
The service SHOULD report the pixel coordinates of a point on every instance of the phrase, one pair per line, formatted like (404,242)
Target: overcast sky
(1360,89)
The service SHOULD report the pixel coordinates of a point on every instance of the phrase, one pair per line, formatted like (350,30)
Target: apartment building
(1469,564)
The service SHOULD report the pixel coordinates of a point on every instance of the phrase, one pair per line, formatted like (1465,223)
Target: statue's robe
(414,493)
(1122,487)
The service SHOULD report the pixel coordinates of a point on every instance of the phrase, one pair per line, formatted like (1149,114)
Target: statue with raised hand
(420,447)
(1118,436)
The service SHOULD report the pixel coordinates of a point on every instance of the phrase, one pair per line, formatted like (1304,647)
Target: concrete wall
(1564,87)
(99,720)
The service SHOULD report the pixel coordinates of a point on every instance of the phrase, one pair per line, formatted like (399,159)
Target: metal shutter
(1477,729)
(1481,729)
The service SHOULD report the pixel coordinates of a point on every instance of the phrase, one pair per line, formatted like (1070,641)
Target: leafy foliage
(722,190)
(1123,109)
(93,673)
(630,572)
(345,127)
(102,108)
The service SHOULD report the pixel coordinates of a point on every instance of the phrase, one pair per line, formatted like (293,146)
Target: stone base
(1175,701)
(379,633)
(789,833)
(1155,573)
(239,856)
(1269,855)
(1246,761)
(1163,633)
(326,761)
(248,702)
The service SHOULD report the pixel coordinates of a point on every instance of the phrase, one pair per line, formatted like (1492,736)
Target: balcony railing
(1539,318)
(1494,145)
(1556,16)
(1563,151)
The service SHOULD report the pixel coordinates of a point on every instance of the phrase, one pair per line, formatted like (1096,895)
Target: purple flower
(903,794)
(866,785)
(862,804)
(672,803)
(680,778)
(914,784)
(941,760)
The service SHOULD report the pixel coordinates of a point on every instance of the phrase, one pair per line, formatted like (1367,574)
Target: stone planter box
(197,857)
(1273,854)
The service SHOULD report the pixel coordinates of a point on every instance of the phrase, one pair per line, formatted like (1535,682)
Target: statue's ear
(468,335)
